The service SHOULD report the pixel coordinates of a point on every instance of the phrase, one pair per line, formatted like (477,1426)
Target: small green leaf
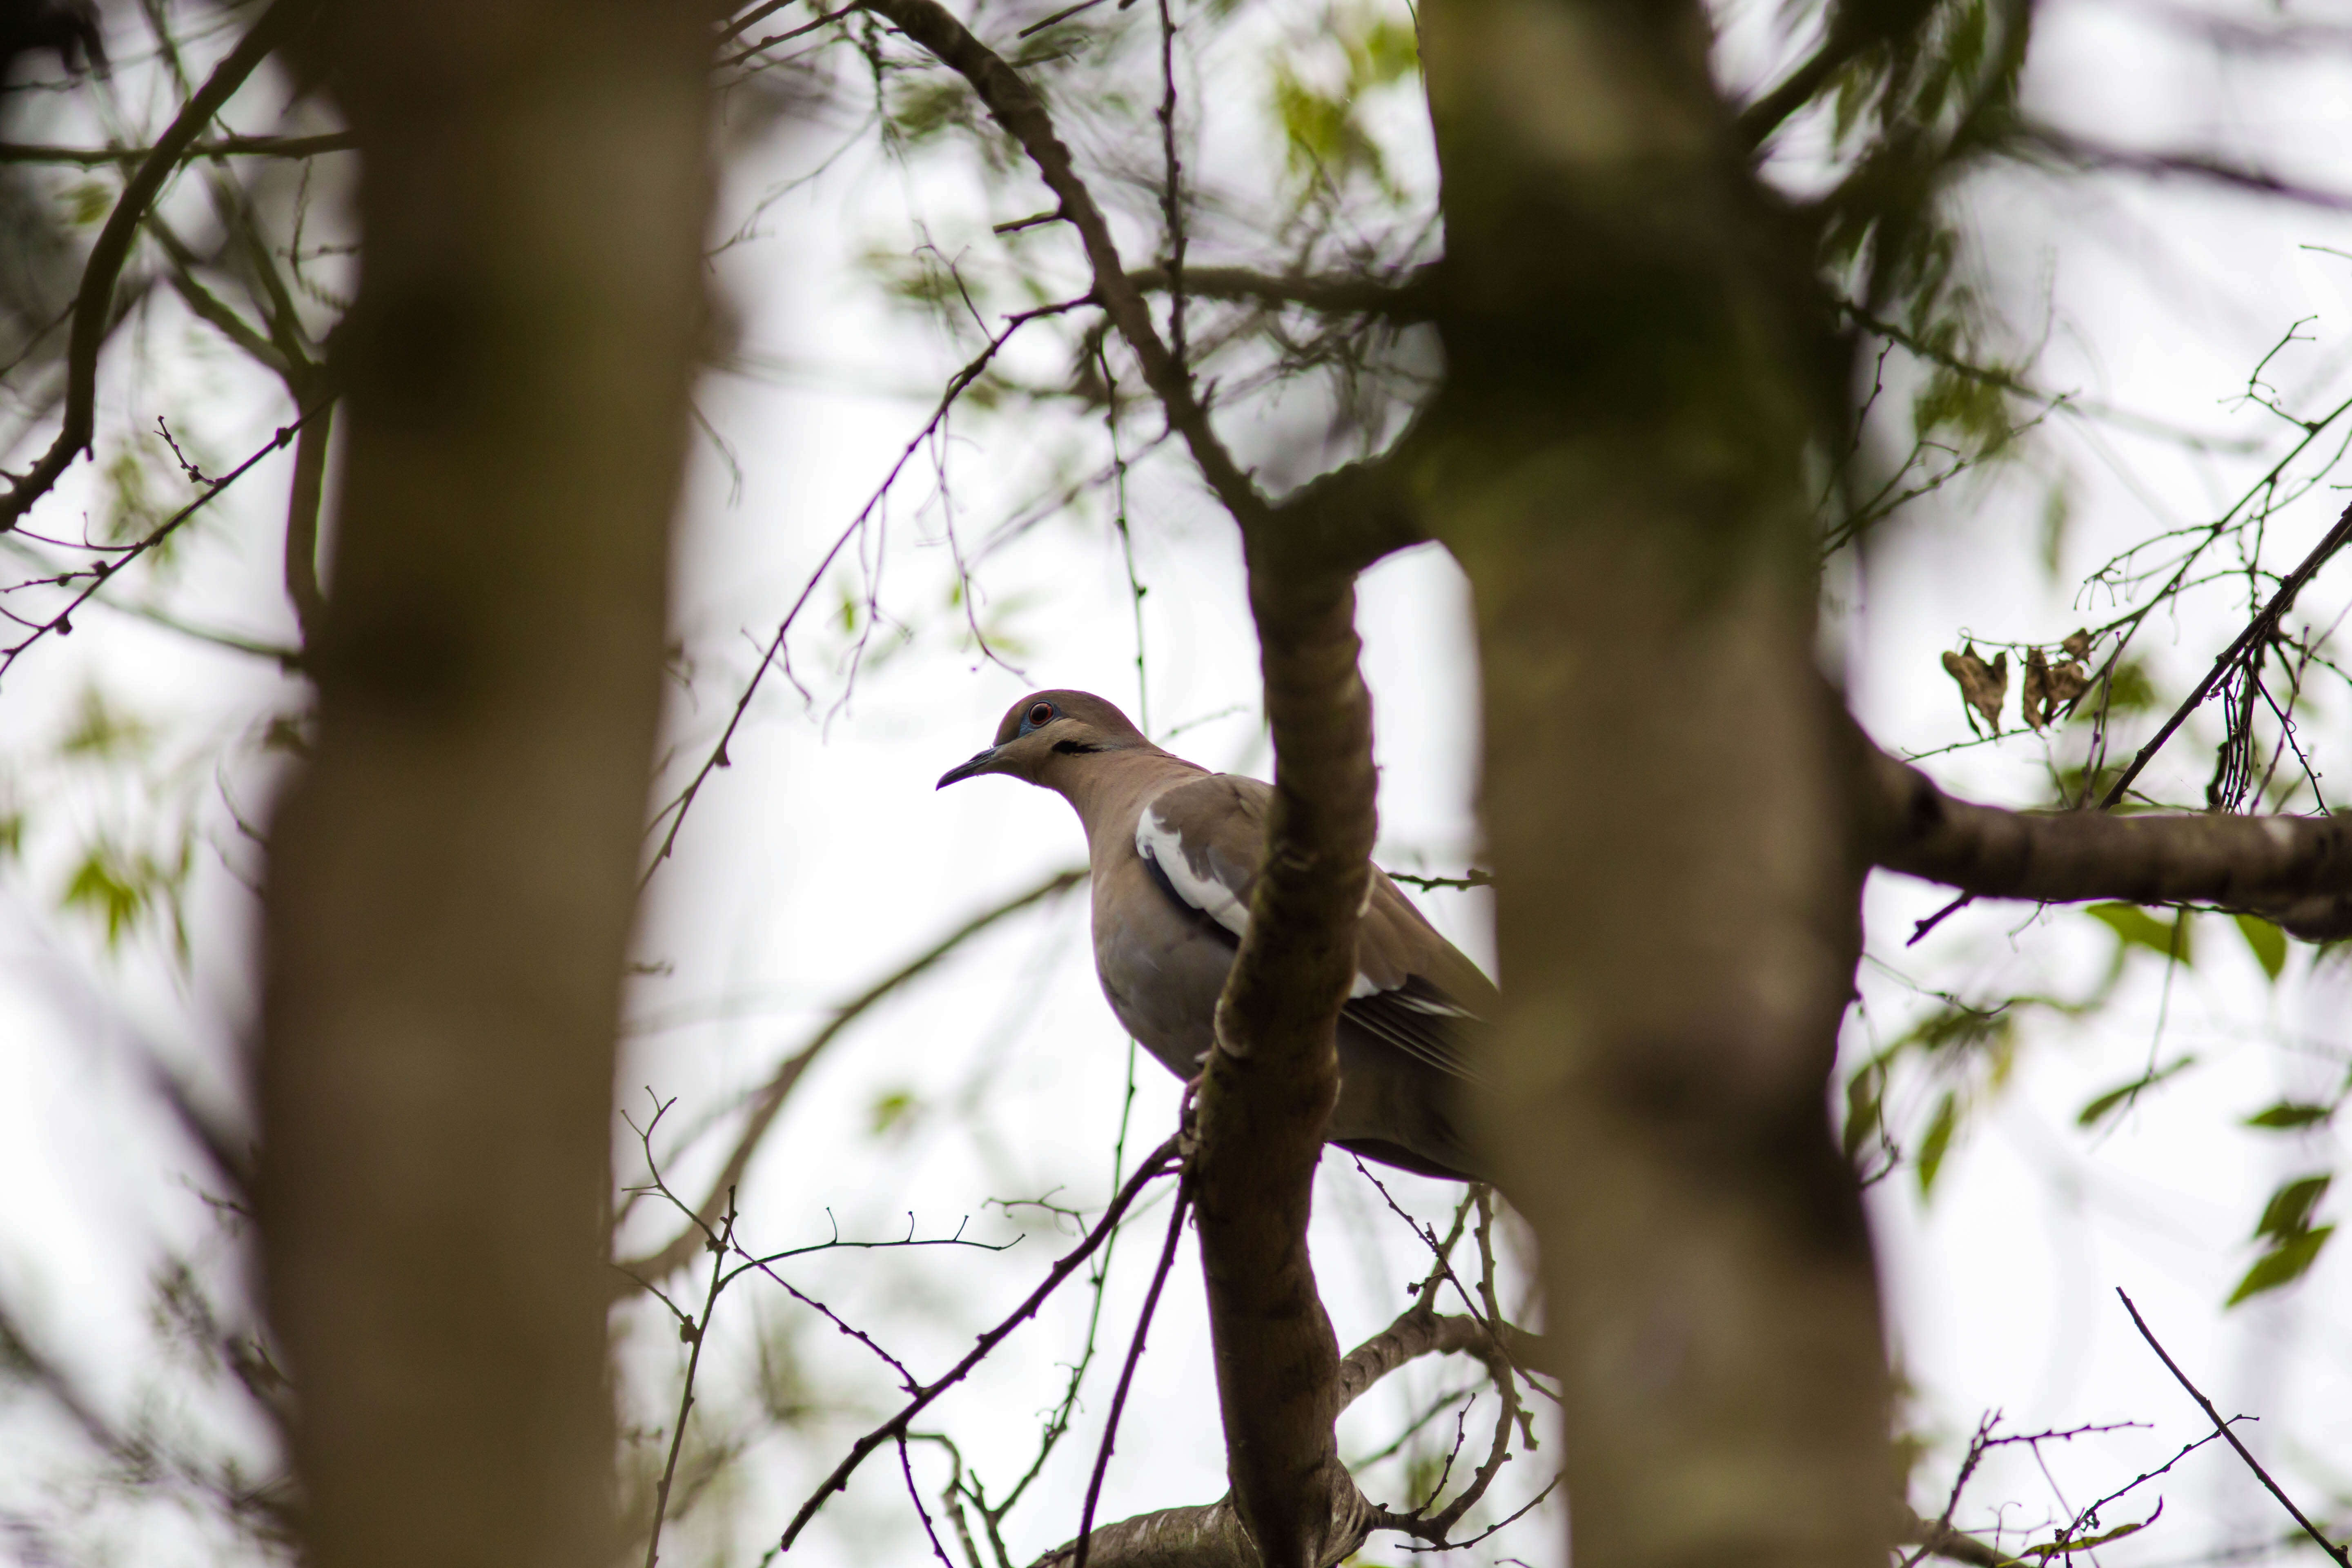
(1862,1106)
(2283,1265)
(2288,1214)
(2092,1114)
(104,885)
(890,1109)
(2134,927)
(2050,1549)
(1938,1143)
(2268,942)
(2288,1114)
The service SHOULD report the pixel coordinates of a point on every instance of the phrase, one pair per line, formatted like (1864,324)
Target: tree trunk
(452,878)
(1633,376)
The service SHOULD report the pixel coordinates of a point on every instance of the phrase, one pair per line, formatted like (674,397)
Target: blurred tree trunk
(452,877)
(1635,374)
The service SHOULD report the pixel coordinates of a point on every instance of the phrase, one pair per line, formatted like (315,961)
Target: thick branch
(93,303)
(2296,871)
(1270,1083)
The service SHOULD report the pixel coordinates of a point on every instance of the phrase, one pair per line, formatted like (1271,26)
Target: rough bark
(1633,366)
(1270,1084)
(2294,870)
(452,878)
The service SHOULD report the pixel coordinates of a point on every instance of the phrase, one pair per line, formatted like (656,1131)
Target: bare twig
(2256,632)
(694,1333)
(770,1097)
(683,802)
(2335,1552)
(94,301)
(1156,1166)
(221,147)
(61,623)
(1178,1211)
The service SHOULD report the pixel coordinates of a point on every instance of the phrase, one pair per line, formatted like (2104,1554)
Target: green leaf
(104,885)
(2050,1549)
(2268,942)
(1938,1143)
(2288,1214)
(2134,927)
(100,731)
(2097,1110)
(2288,1114)
(2283,1265)
(890,1109)
(1863,1106)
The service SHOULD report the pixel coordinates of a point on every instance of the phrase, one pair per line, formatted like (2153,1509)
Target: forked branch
(93,303)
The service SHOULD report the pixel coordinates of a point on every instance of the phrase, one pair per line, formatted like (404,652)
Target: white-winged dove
(1174,851)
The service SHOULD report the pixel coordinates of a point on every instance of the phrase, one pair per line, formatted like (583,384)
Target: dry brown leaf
(1982,686)
(2033,697)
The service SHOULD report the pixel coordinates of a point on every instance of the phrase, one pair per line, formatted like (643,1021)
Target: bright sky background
(823,859)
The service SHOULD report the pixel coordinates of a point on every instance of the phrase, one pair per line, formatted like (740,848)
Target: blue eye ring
(1040,714)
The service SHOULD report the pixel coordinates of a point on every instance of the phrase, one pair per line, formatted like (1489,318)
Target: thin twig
(1127,1373)
(2256,631)
(770,1097)
(62,622)
(718,758)
(2335,1552)
(94,301)
(1157,1165)
(695,1334)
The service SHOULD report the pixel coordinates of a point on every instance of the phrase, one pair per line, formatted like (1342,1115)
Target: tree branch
(2242,649)
(1016,107)
(93,302)
(2295,871)
(1156,1165)
(1211,1535)
(1411,298)
(224,147)
(1270,1083)
(770,1097)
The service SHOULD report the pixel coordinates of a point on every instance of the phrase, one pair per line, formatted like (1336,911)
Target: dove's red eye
(1040,714)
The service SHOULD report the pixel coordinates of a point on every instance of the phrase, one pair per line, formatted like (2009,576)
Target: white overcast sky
(823,857)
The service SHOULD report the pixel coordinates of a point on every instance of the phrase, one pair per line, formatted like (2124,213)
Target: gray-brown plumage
(1174,852)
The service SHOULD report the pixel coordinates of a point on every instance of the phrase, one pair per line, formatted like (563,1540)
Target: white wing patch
(1162,845)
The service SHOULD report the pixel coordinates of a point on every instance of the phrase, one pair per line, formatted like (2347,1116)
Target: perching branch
(93,303)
